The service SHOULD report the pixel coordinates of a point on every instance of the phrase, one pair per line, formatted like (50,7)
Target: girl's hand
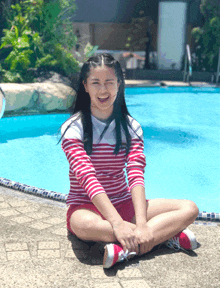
(144,237)
(126,236)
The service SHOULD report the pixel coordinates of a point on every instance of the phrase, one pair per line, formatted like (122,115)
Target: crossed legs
(166,218)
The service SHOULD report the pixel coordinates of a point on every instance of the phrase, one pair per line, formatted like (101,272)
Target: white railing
(187,74)
(218,68)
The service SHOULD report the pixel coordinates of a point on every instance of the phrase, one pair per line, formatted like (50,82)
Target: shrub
(39,35)
(207,37)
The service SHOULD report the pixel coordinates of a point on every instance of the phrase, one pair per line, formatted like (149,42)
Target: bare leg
(88,225)
(165,217)
(169,217)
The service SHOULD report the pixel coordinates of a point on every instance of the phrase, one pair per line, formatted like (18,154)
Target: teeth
(103,99)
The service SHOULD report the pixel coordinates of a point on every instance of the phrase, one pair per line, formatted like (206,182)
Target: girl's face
(102,86)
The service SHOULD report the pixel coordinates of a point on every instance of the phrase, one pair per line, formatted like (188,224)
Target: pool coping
(168,83)
(52,195)
(33,190)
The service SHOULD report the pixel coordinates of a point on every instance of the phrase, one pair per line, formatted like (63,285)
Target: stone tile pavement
(36,251)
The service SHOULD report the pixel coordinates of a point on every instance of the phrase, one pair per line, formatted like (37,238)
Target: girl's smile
(102,86)
(103,100)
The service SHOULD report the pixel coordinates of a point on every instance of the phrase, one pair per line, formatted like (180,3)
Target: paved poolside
(35,251)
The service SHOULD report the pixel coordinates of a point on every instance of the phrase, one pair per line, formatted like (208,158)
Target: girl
(98,140)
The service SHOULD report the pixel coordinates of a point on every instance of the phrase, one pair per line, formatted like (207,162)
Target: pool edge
(33,190)
(52,195)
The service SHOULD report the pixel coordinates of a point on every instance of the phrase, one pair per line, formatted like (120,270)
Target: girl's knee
(80,228)
(81,234)
(191,208)
(82,224)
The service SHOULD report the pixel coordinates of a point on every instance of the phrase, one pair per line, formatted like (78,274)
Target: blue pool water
(182,145)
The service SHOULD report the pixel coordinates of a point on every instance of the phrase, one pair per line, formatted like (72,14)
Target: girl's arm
(135,171)
(122,229)
(104,205)
(140,206)
(143,233)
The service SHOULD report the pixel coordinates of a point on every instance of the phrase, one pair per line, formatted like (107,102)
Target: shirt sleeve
(136,160)
(81,167)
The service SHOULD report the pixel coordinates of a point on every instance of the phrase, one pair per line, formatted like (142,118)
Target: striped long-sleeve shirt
(102,171)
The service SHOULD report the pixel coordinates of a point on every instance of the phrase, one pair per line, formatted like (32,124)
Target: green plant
(10,76)
(19,57)
(89,50)
(207,37)
(56,25)
(23,40)
(39,35)
(61,60)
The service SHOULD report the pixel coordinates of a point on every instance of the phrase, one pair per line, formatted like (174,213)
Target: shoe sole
(192,238)
(108,256)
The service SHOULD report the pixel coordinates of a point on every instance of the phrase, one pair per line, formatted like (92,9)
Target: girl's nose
(103,87)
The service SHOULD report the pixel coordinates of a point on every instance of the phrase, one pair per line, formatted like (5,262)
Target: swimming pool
(182,145)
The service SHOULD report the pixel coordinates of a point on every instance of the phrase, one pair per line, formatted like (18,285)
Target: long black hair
(82,104)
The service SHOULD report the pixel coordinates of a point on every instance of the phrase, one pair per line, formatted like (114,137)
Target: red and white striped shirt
(102,171)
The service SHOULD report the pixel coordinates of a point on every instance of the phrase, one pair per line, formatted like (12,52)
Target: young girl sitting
(100,139)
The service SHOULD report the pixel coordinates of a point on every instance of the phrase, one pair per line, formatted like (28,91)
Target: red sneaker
(115,253)
(184,240)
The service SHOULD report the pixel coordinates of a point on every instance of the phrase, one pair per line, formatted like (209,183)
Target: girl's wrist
(141,224)
(117,224)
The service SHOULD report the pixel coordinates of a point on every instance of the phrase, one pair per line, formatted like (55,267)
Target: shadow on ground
(91,253)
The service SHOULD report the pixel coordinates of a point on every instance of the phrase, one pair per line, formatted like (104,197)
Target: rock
(53,77)
(51,95)
(18,96)
(54,96)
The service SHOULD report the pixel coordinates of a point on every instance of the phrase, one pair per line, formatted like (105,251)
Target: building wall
(113,36)
(113,11)
(109,24)
(84,37)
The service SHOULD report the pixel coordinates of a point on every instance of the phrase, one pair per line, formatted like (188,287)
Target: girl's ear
(85,86)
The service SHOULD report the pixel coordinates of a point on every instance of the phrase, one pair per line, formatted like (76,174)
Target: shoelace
(173,243)
(126,254)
